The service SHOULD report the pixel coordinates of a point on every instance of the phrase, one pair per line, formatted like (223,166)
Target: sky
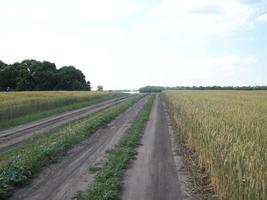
(127,44)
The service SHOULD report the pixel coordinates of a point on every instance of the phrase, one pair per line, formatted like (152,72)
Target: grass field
(227,130)
(21,107)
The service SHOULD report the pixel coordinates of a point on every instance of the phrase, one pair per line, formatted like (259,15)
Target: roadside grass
(223,135)
(21,114)
(108,182)
(20,164)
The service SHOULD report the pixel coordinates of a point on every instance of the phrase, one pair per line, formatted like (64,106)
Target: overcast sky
(131,43)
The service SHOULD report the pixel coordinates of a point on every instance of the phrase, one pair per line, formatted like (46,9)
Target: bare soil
(62,180)
(17,135)
(153,174)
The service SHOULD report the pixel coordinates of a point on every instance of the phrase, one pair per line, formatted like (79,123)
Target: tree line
(30,75)
(161,88)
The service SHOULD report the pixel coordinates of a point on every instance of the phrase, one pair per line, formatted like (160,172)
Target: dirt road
(14,136)
(63,179)
(153,174)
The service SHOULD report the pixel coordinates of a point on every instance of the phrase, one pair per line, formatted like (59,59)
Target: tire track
(153,175)
(62,180)
(17,135)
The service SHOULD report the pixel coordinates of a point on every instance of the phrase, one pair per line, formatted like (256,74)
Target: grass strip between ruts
(47,113)
(29,159)
(108,181)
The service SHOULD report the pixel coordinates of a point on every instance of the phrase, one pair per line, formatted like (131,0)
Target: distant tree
(88,85)
(24,82)
(2,75)
(36,75)
(100,88)
(160,88)
(2,65)
(44,75)
(149,89)
(8,75)
(24,79)
(70,78)
(41,75)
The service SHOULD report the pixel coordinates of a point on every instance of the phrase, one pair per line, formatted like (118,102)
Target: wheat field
(14,104)
(228,131)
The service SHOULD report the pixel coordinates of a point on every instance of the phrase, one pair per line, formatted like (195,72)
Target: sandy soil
(153,174)
(14,136)
(62,180)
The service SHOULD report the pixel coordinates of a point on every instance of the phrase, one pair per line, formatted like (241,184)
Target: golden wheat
(13,104)
(14,98)
(228,130)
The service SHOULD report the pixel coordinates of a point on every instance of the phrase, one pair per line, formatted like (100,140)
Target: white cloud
(229,70)
(262,18)
(64,12)
(221,65)
(169,8)
(185,42)
(95,10)
(204,16)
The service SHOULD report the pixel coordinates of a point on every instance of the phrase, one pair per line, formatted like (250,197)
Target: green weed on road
(108,182)
(20,164)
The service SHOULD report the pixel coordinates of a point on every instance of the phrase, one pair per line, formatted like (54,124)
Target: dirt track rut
(63,179)
(14,136)
(153,174)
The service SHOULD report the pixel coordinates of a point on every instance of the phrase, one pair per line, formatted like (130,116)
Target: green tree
(151,89)
(8,75)
(2,73)
(2,65)
(24,79)
(70,78)
(88,85)
(44,75)
(100,88)
(36,75)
